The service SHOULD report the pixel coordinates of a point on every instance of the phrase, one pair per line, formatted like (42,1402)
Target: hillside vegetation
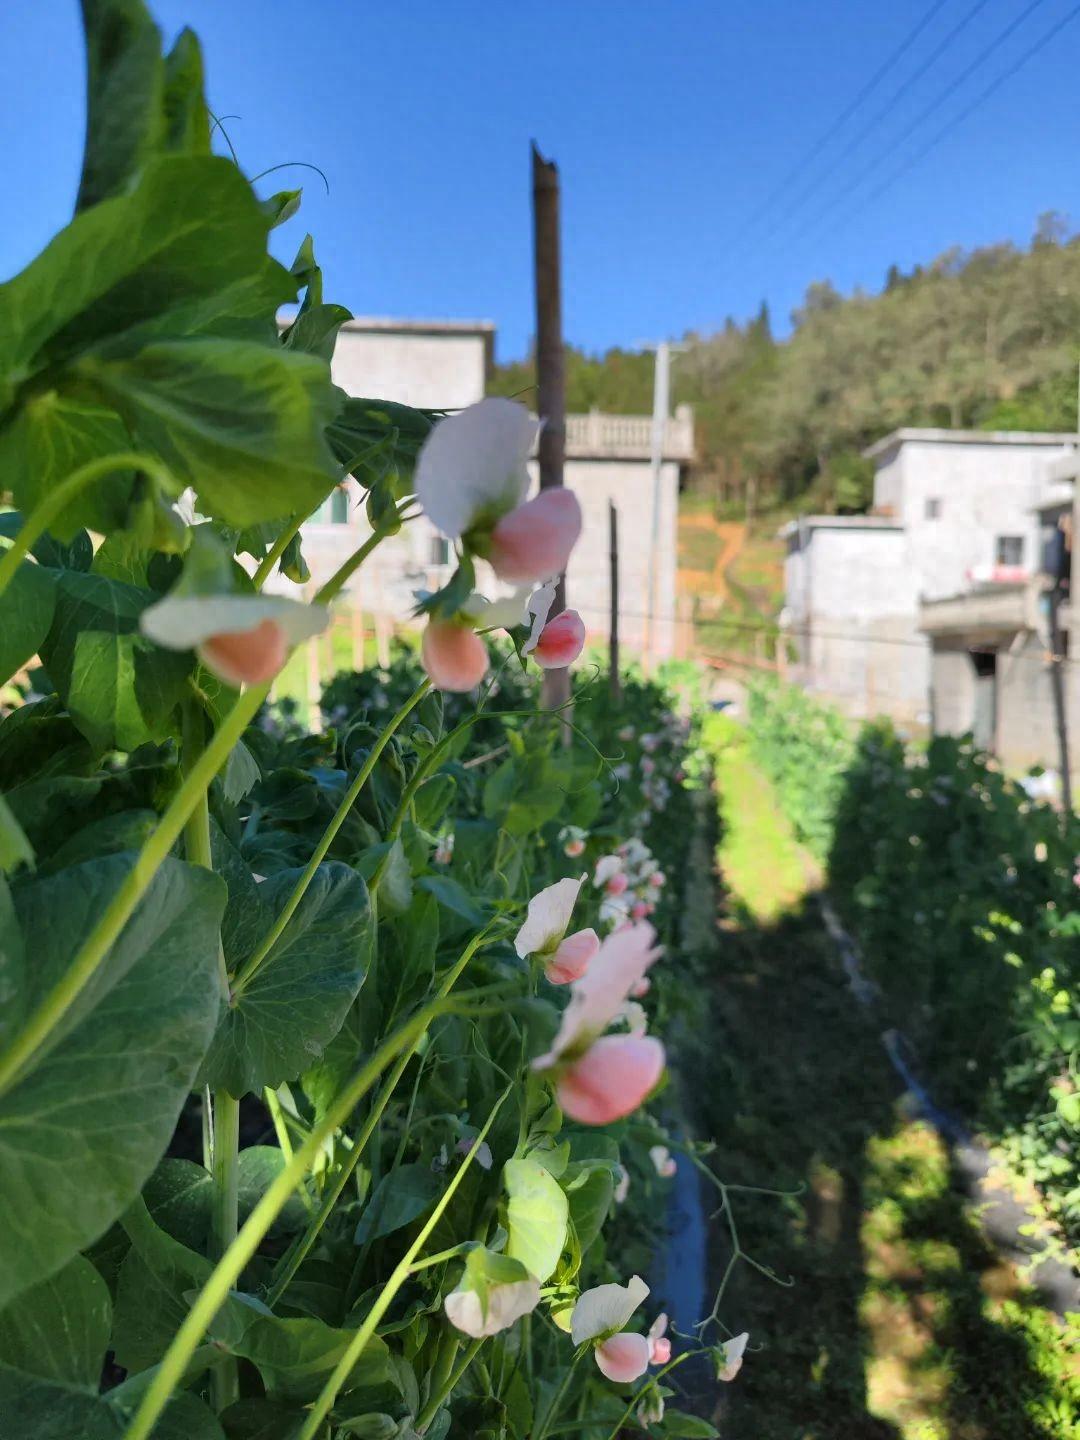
(983,339)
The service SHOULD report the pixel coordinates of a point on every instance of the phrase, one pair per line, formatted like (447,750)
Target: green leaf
(281,206)
(15,848)
(258,1167)
(119,687)
(400,1197)
(395,882)
(299,997)
(536,1217)
(155,1277)
(59,1330)
(124,92)
(264,1419)
(187,121)
(188,228)
(48,439)
(295,1356)
(26,612)
(453,897)
(243,423)
(35,1409)
(88,1118)
(590,1203)
(315,330)
(676,1422)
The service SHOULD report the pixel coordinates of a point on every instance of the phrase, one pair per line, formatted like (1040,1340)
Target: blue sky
(671,123)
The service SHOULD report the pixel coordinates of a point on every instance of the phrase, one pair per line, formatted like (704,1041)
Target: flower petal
(536,539)
(182,622)
(548,918)
(624,1358)
(599,995)
(539,608)
(573,957)
(732,1351)
(474,462)
(611,1079)
(453,655)
(561,641)
(606,1307)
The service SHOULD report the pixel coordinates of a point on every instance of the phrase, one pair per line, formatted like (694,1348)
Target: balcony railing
(628,437)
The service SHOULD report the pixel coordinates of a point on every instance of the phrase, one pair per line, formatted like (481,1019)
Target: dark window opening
(932,509)
(440,550)
(1010,550)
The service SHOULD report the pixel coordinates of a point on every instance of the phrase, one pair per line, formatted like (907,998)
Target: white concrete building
(953,510)
(445,365)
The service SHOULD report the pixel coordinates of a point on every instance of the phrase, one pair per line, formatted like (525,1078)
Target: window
(932,509)
(440,551)
(335,509)
(1010,550)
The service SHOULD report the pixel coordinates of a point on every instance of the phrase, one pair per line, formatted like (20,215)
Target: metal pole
(614,681)
(661,400)
(1057,687)
(550,364)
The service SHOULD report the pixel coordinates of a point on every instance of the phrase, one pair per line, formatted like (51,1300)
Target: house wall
(852,613)
(428,369)
(983,491)
(952,677)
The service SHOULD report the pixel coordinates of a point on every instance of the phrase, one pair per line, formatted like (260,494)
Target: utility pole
(550,365)
(661,406)
(614,681)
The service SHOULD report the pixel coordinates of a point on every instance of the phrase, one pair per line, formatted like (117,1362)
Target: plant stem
(639,1395)
(560,1396)
(343,573)
(448,1385)
(184,1343)
(280,545)
(53,501)
(96,946)
(318,1412)
(224,1110)
(295,1257)
(273,935)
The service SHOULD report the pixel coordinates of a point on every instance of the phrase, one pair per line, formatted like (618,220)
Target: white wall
(984,490)
(429,370)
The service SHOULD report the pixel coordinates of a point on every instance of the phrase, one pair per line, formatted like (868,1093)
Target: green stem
(295,1257)
(273,935)
(639,1395)
(344,573)
(280,545)
(560,1395)
(95,948)
(229,1268)
(53,501)
(224,1110)
(448,1385)
(341,1372)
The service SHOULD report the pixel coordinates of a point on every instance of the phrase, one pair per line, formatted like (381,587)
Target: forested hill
(983,339)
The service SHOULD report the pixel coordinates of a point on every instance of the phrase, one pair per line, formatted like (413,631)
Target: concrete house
(445,365)
(954,515)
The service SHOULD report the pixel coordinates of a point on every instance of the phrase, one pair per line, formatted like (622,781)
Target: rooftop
(388,324)
(909,434)
(839,522)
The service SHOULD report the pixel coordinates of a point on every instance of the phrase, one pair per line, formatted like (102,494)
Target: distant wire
(938,101)
(980,99)
(845,115)
(869,126)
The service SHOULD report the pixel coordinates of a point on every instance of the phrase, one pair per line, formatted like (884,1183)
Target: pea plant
(316,1089)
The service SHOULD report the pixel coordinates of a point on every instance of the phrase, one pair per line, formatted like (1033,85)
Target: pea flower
(548,918)
(454,656)
(659,1344)
(242,639)
(493,1292)
(729,1356)
(651,1409)
(622,1184)
(573,957)
(472,479)
(559,643)
(572,839)
(600,1078)
(599,1316)
(663,1161)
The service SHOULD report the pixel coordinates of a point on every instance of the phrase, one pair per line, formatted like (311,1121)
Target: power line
(980,99)
(846,114)
(938,101)
(869,126)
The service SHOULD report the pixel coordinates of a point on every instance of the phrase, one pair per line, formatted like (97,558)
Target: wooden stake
(550,365)
(614,679)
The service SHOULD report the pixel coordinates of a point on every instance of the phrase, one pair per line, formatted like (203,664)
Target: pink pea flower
(607,867)
(611,1079)
(598,997)
(643,986)
(572,958)
(618,884)
(599,1316)
(647,765)
(663,1161)
(659,1345)
(651,1409)
(561,641)
(535,539)
(640,910)
(548,918)
(658,879)
(242,639)
(453,655)
(730,1356)
(574,848)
